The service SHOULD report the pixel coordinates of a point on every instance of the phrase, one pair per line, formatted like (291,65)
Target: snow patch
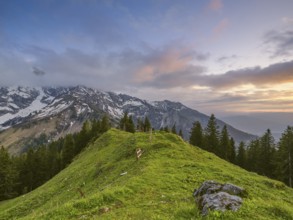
(133,103)
(5,108)
(13,106)
(36,105)
(116,112)
(53,110)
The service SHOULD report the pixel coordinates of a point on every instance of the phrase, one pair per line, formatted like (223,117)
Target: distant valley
(258,123)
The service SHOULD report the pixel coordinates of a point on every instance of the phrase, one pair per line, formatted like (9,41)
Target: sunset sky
(216,56)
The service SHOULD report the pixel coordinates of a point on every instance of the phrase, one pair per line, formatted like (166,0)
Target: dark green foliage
(68,150)
(284,157)
(180,133)
(22,174)
(87,132)
(173,130)
(232,152)
(139,125)
(211,140)
(225,150)
(196,135)
(8,175)
(147,124)
(267,150)
(241,156)
(126,123)
(166,129)
(105,124)
(130,126)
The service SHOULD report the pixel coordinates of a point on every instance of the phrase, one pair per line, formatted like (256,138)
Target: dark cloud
(271,75)
(167,67)
(38,72)
(226,58)
(279,43)
(184,78)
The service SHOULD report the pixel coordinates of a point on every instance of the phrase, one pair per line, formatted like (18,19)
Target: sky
(216,56)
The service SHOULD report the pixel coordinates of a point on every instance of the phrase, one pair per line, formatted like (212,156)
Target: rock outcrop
(216,196)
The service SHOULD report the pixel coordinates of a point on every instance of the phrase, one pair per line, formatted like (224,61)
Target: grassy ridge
(158,186)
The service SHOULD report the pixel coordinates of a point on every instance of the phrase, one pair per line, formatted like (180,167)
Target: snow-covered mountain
(63,110)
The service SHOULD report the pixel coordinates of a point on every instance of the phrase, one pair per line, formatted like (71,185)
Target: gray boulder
(212,195)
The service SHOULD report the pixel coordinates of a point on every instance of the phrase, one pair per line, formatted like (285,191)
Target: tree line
(126,123)
(22,174)
(261,155)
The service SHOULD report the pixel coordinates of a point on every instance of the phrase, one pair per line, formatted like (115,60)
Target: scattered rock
(122,174)
(212,195)
(104,210)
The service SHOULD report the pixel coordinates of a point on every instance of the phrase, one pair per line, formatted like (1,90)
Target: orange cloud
(215,5)
(222,26)
(163,62)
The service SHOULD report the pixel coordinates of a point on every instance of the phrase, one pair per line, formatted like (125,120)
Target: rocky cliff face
(71,106)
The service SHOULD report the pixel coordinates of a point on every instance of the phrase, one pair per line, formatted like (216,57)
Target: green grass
(158,186)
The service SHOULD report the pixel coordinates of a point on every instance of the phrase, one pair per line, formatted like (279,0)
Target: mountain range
(28,113)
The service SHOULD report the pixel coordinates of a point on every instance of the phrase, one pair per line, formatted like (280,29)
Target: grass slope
(158,186)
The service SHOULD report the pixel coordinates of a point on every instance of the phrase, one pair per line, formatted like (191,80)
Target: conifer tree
(180,133)
(96,128)
(225,144)
(130,125)
(267,149)
(8,175)
(212,136)
(123,121)
(284,159)
(105,124)
(173,130)
(83,137)
(253,155)
(126,123)
(68,150)
(147,124)
(139,125)
(196,135)
(232,152)
(241,156)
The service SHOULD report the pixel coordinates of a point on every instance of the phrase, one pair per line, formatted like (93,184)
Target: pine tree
(253,156)
(83,137)
(130,125)
(123,121)
(180,133)
(225,147)
(147,124)
(105,124)
(126,123)
(68,150)
(241,156)
(232,152)
(211,136)
(8,175)
(139,125)
(267,147)
(173,130)
(196,135)
(166,129)
(284,159)
(96,128)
